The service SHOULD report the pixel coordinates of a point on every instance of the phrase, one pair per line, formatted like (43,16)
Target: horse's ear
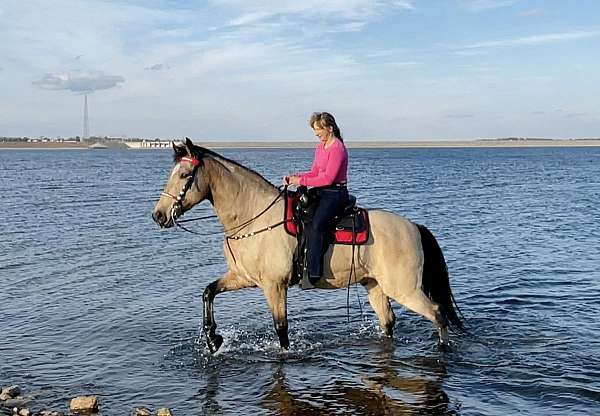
(179,149)
(189,146)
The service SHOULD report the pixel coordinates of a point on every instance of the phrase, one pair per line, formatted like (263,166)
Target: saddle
(350,226)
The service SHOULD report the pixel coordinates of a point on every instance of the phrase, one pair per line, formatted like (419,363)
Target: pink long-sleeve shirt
(330,165)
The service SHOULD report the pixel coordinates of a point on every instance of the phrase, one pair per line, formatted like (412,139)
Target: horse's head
(186,186)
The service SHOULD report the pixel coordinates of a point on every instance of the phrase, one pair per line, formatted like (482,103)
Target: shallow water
(97,300)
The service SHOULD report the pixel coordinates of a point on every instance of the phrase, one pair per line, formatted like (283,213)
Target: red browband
(194,162)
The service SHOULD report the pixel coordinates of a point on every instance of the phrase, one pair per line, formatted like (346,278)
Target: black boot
(314,279)
(307,280)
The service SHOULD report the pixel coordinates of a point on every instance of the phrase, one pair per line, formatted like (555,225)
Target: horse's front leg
(276,295)
(229,281)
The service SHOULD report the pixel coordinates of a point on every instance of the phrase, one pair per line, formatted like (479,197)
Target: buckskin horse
(401,260)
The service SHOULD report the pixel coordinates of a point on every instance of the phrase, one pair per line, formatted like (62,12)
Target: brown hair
(325,120)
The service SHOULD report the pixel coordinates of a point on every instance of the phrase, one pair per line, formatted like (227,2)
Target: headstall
(177,208)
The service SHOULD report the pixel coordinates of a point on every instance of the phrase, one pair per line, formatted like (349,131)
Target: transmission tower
(86,121)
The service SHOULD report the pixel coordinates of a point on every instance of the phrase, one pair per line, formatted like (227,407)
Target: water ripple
(97,300)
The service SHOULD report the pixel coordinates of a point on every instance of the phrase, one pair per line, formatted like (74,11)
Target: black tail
(436,283)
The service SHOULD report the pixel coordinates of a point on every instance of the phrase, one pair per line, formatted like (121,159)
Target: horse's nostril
(158,217)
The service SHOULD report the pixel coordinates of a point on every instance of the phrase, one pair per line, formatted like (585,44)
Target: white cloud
(250,18)
(470,52)
(478,68)
(535,40)
(532,13)
(80,82)
(240,69)
(385,53)
(402,64)
(483,5)
(334,11)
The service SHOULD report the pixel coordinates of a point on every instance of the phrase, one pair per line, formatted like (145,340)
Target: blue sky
(255,70)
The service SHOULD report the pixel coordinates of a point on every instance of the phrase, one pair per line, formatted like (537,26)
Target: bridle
(177,208)
(230,234)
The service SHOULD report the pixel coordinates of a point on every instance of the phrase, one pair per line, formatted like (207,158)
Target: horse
(401,260)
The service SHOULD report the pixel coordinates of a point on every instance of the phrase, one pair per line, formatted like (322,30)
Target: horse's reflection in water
(209,396)
(379,388)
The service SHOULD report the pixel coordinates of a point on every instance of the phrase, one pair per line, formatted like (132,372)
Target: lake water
(95,299)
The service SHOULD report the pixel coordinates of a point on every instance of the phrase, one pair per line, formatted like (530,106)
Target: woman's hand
(291,180)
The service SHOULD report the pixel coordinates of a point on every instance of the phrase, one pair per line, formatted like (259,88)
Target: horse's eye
(185,175)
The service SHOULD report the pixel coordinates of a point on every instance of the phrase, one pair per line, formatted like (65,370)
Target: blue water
(97,300)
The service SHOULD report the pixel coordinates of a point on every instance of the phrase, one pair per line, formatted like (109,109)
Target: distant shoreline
(349,143)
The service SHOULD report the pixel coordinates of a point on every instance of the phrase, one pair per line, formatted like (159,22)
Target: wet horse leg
(228,282)
(427,308)
(276,295)
(381,306)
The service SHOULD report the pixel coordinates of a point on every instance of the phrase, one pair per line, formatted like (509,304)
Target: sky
(255,70)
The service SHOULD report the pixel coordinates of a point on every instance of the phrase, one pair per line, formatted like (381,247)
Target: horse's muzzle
(161,219)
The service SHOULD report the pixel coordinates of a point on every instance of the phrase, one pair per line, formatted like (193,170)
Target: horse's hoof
(214,343)
(444,347)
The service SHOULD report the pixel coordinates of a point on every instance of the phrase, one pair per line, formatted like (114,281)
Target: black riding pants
(331,201)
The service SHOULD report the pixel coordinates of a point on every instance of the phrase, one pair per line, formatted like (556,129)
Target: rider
(329,175)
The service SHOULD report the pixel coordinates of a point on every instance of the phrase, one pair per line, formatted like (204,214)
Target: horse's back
(390,225)
(394,242)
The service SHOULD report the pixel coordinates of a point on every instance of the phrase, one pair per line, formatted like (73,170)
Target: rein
(237,228)
(253,233)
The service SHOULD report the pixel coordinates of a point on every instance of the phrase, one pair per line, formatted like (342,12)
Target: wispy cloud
(402,64)
(575,115)
(335,11)
(251,18)
(470,52)
(532,12)
(484,5)
(215,68)
(478,68)
(84,82)
(535,40)
(385,53)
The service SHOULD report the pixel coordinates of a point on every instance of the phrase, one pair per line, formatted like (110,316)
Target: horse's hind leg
(276,295)
(381,305)
(228,282)
(418,302)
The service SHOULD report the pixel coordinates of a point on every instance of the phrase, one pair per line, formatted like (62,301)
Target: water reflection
(384,386)
(210,403)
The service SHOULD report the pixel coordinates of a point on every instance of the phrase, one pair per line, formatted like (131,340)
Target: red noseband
(194,162)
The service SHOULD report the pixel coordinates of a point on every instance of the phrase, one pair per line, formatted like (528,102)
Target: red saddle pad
(340,236)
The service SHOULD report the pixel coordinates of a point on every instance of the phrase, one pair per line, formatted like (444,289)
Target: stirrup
(306,284)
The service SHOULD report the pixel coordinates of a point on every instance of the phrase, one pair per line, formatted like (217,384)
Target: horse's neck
(238,195)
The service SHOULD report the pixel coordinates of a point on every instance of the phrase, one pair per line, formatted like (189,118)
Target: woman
(329,174)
